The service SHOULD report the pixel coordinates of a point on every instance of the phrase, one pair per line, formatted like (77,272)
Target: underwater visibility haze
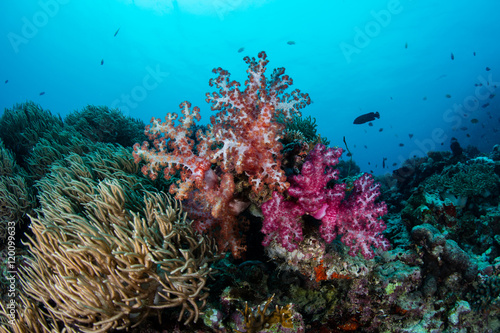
(250,166)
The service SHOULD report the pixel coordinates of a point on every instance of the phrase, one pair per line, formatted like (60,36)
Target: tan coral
(106,253)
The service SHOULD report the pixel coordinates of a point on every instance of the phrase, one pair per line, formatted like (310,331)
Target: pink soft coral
(355,217)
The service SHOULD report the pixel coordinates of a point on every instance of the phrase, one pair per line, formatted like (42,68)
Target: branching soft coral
(354,214)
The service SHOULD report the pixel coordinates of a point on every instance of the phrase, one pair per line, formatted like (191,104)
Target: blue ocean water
(427,67)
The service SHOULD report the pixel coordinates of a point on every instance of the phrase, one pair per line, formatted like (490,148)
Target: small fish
(491,95)
(474,53)
(488,69)
(463,128)
(425,98)
(6,81)
(406,45)
(468,135)
(452,56)
(241,49)
(369,163)
(290,42)
(474,121)
(383,162)
(116,33)
(394,164)
(448,96)
(401,144)
(364,118)
(410,135)
(42,93)
(485,105)
(391,97)
(370,124)
(380,129)
(367,147)
(102,62)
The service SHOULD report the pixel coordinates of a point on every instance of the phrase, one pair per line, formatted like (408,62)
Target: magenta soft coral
(353,215)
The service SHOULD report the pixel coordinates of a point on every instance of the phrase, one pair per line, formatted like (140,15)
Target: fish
(447,96)
(410,135)
(370,124)
(463,128)
(380,129)
(367,147)
(6,81)
(425,98)
(491,95)
(474,120)
(102,62)
(116,33)
(488,69)
(394,164)
(468,135)
(42,93)
(241,49)
(474,53)
(290,42)
(485,105)
(406,45)
(401,144)
(383,162)
(364,118)
(452,56)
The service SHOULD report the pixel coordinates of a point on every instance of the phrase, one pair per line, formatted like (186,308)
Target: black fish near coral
(102,62)
(364,118)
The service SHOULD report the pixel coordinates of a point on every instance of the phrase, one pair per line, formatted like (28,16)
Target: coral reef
(106,253)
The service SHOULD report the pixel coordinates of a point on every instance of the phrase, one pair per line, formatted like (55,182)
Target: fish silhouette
(364,118)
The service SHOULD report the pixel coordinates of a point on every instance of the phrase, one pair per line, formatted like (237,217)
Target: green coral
(477,178)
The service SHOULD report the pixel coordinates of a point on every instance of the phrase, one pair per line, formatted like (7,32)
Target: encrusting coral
(106,252)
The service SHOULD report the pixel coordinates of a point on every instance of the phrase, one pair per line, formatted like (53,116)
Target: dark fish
(383,162)
(401,144)
(468,135)
(394,164)
(369,163)
(391,97)
(452,56)
(463,128)
(241,49)
(367,147)
(474,53)
(491,95)
(6,81)
(116,33)
(406,45)
(488,69)
(474,121)
(485,105)
(364,118)
(448,96)
(42,93)
(425,98)
(290,42)
(410,135)
(370,124)
(102,62)
(380,129)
